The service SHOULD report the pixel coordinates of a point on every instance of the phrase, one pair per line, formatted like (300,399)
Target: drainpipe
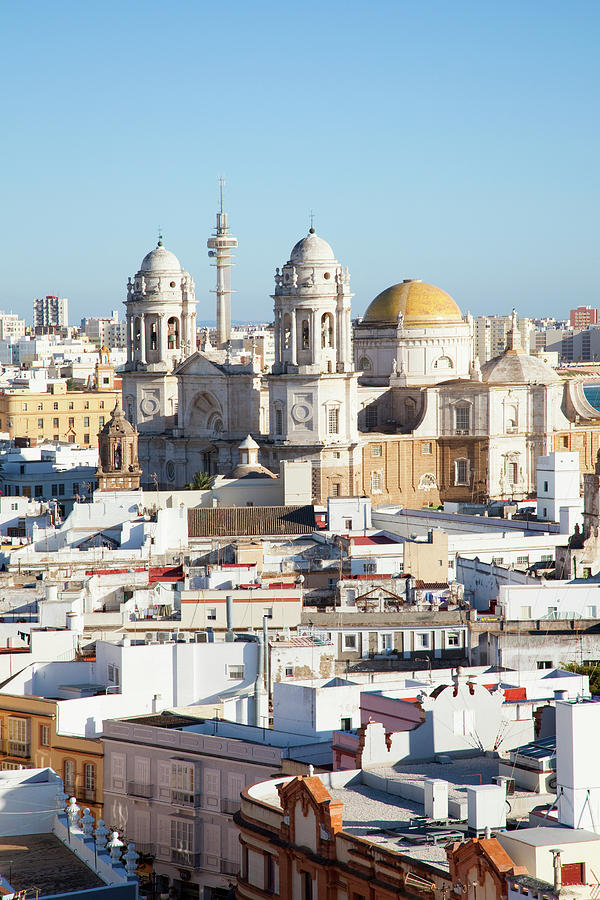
(259,688)
(266,653)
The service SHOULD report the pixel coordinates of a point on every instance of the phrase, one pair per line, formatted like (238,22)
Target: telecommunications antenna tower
(220,246)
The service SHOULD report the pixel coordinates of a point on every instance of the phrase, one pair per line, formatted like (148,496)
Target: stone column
(340,331)
(162,335)
(294,338)
(183,332)
(192,337)
(142,338)
(130,338)
(277,336)
(316,336)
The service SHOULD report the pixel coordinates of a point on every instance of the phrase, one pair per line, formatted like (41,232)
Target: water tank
(486,807)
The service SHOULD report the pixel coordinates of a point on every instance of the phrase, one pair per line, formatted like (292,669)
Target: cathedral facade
(396,407)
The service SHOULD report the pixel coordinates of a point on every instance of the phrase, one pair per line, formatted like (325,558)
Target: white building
(133,678)
(559,489)
(491,335)
(11,326)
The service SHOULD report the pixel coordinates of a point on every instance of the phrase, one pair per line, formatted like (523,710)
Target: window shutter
(212,844)
(164,834)
(164,780)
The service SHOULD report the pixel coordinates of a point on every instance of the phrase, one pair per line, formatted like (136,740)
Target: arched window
(89,781)
(153,335)
(215,424)
(326,330)
(305,335)
(443,362)
(173,333)
(69,776)
(512,420)
(364,364)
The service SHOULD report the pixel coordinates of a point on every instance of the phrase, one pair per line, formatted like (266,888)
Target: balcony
(137,789)
(145,849)
(229,867)
(231,806)
(88,794)
(186,798)
(186,858)
(20,749)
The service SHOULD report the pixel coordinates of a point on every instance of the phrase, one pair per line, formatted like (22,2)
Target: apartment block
(56,414)
(50,311)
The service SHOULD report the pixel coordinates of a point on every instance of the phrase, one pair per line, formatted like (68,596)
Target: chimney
(556,864)
(229,617)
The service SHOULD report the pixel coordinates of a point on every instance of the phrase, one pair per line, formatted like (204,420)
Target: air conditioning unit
(551,783)
(163,637)
(201,637)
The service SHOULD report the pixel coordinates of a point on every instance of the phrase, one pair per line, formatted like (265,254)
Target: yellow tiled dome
(419,303)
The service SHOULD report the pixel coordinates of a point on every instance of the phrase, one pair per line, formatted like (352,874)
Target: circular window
(327,275)
(170,470)
(172,284)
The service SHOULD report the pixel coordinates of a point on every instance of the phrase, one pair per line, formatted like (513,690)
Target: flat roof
(44,862)
(548,836)
(384,819)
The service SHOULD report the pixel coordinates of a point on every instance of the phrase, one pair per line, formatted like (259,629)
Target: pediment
(198,364)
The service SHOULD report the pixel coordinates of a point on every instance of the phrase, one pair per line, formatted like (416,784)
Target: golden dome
(419,303)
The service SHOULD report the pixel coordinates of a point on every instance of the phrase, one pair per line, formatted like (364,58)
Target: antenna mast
(220,246)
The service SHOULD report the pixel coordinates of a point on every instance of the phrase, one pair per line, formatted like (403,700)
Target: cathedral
(395,406)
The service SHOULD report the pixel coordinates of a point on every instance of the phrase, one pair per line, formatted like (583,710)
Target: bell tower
(161,333)
(118,467)
(313,388)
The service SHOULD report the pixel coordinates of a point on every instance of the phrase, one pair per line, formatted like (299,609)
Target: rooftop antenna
(220,246)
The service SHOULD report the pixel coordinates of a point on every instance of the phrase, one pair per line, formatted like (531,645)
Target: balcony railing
(138,789)
(21,749)
(145,848)
(186,798)
(229,867)
(186,858)
(88,794)
(231,806)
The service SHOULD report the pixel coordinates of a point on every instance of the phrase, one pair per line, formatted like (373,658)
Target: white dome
(312,248)
(160,260)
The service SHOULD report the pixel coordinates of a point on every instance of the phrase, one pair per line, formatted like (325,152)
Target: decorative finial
(311,230)
(160,237)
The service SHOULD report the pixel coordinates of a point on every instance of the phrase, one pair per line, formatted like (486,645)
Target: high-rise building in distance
(583,317)
(50,311)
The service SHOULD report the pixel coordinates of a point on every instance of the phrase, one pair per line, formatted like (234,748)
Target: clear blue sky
(453,142)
